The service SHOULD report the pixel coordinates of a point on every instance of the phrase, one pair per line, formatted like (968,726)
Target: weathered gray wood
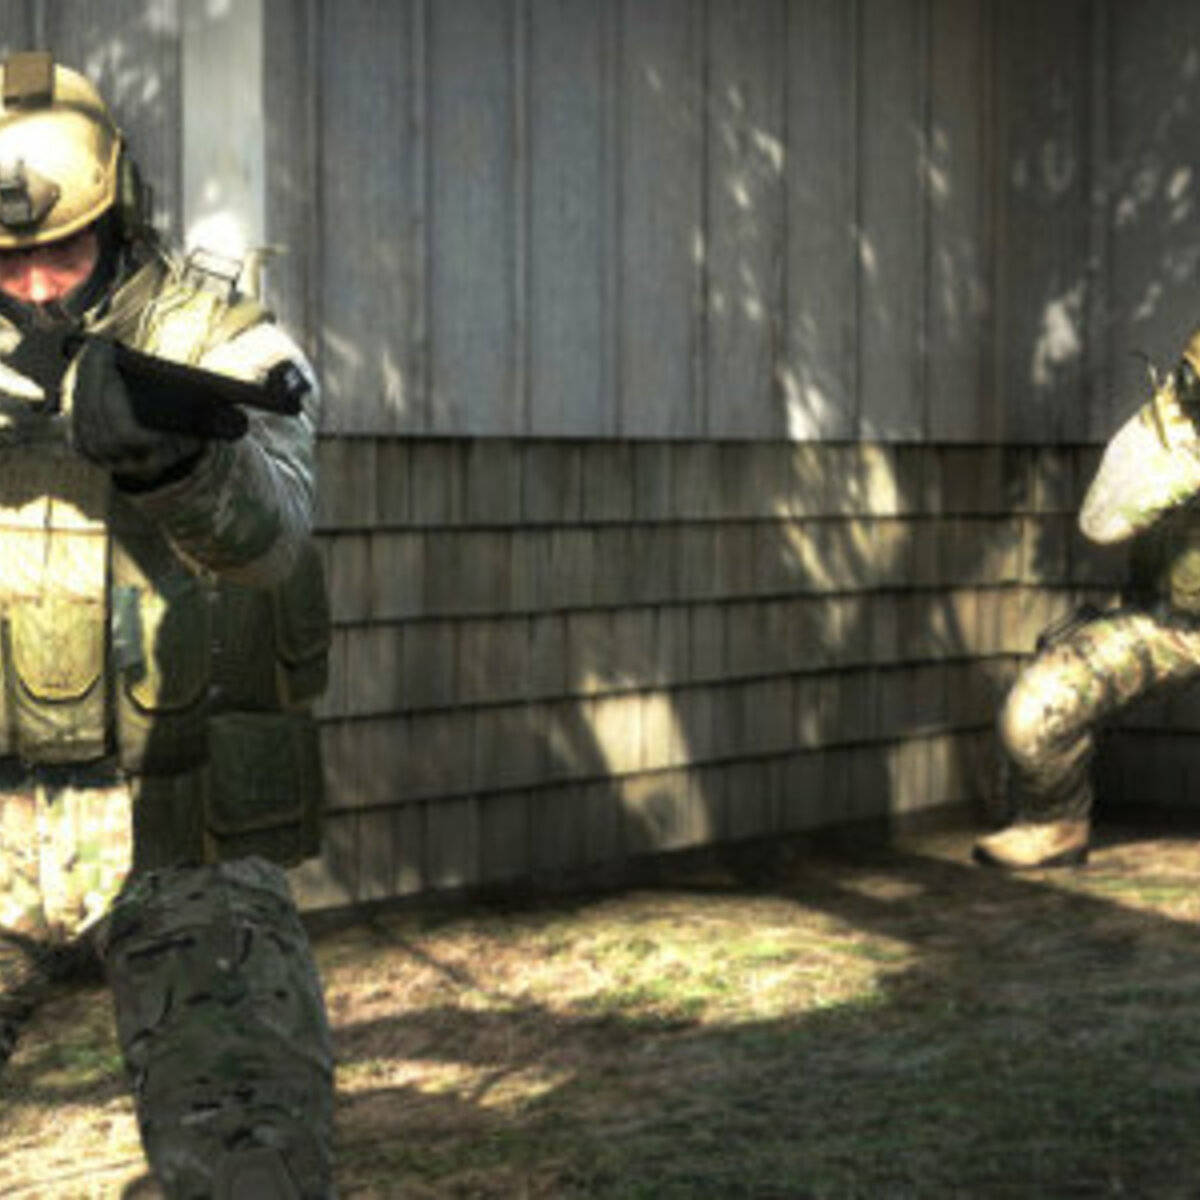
(223,133)
(474,165)
(547,654)
(551,489)
(664,736)
(819,377)
(1040,244)
(894,61)
(745,214)
(347,483)
(557,830)
(428,666)
(396,586)
(131,50)
(958,269)
(376,873)
(664,810)
(491,660)
(572,198)
(505,836)
(367,201)
(393,474)
(608,481)
(492,482)
(452,843)
(1152,196)
(18,28)
(662,236)
(348,573)
(290,147)
(376,679)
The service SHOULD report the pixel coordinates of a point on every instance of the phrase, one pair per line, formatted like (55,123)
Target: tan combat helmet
(62,164)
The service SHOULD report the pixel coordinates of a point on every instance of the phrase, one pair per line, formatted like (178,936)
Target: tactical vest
(116,653)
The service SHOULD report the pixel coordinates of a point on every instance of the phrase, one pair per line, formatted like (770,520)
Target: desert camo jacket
(70,538)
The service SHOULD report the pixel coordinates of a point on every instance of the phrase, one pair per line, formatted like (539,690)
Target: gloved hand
(105,428)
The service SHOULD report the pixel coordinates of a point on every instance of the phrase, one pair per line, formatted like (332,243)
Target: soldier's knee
(1028,728)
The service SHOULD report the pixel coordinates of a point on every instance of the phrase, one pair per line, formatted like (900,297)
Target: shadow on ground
(1010,1037)
(889,1023)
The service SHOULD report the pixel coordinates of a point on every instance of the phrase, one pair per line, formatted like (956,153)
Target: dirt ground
(880,1023)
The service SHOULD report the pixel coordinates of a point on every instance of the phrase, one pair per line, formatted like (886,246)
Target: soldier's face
(40,274)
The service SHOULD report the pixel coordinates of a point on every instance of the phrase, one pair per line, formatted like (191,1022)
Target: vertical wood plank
(960,409)
(662,227)
(1041,236)
(130,49)
(368,209)
(473,173)
(223,134)
(18,28)
(892,253)
(291,101)
(818,377)
(745,162)
(570,197)
(1153,193)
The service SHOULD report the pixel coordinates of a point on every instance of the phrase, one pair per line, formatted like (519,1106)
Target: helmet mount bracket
(25,196)
(29,79)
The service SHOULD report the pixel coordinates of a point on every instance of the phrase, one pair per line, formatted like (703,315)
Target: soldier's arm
(245,507)
(1151,466)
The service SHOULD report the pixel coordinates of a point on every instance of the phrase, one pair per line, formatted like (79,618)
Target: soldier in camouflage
(163,633)
(1145,489)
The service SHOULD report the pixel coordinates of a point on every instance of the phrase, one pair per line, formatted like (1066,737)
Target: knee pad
(1021,726)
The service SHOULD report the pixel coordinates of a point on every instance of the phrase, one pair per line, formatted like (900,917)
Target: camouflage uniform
(160,648)
(1148,477)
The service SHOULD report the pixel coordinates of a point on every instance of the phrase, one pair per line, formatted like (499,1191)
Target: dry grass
(888,1024)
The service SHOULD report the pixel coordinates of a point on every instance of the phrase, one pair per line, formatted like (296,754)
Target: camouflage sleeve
(245,509)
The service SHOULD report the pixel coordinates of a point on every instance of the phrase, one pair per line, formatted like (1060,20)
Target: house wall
(710,387)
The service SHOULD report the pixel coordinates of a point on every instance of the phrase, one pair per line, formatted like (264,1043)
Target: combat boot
(1028,845)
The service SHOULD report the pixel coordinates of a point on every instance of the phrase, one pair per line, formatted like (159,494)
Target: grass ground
(890,1023)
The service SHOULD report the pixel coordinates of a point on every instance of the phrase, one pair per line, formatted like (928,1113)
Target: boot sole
(1075,857)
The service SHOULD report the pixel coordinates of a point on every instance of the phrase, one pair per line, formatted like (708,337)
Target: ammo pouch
(54,604)
(213,685)
(263,787)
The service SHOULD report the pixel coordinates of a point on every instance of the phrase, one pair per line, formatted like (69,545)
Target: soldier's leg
(61,861)
(222,1023)
(1048,720)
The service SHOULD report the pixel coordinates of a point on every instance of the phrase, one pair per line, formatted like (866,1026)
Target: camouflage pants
(222,1024)
(64,854)
(1047,721)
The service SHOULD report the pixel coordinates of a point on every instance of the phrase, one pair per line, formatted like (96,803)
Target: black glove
(41,355)
(105,428)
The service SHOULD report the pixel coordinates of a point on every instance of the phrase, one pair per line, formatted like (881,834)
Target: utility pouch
(55,648)
(264,787)
(161,633)
(54,551)
(302,630)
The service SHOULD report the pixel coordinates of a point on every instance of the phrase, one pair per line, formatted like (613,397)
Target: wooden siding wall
(881,220)
(552,655)
(710,387)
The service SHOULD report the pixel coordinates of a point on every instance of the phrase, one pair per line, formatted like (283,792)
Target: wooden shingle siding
(710,390)
(581,683)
